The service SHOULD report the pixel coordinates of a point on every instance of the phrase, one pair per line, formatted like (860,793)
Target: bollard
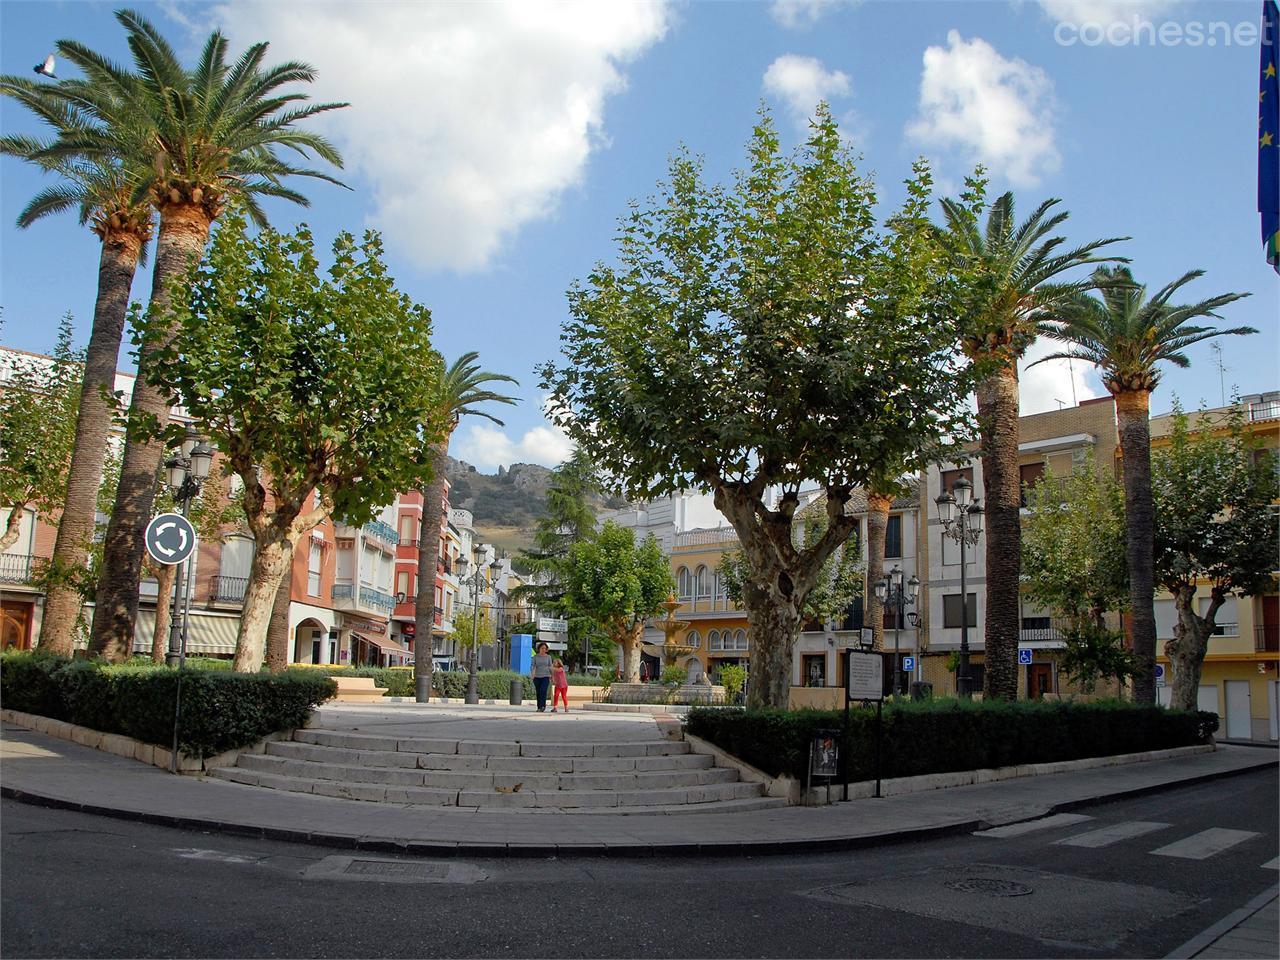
(517,692)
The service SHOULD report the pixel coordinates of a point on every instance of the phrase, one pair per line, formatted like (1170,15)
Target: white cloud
(487,447)
(800,82)
(987,108)
(1055,384)
(795,14)
(468,119)
(1103,12)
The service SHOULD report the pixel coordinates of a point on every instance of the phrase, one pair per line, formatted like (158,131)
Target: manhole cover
(990,887)
(397,868)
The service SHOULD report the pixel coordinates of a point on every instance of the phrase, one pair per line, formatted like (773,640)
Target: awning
(205,633)
(386,645)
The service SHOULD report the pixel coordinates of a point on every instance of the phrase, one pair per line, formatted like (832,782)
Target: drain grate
(400,869)
(991,887)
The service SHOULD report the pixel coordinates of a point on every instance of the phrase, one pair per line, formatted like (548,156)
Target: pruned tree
(1215,526)
(761,337)
(38,404)
(618,584)
(319,389)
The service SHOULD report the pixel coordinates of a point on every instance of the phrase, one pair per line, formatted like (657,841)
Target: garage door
(1238,725)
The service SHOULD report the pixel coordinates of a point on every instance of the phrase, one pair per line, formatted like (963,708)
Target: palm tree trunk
(165,577)
(877,527)
(116,267)
(424,609)
(1133,410)
(184,229)
(998,416)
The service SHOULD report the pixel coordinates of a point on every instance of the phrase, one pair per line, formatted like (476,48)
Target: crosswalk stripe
(1031,826)
(1113,833)
(1273,864)
(1202,845)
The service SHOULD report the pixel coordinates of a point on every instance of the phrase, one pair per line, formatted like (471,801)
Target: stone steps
(490,748)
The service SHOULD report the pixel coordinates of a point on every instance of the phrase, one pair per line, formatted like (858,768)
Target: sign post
(864,680)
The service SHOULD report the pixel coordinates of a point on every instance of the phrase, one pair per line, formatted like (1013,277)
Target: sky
(496,144)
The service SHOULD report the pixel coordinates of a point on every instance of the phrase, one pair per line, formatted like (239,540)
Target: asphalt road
(76,885)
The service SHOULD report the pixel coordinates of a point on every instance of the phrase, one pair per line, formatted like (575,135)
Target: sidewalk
(1248,933)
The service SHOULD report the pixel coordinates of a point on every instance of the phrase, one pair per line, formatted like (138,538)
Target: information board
(865,677)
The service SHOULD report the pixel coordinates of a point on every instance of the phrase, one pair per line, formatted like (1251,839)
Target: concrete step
(491,748)
(659,800)
(295,750)
(484,779)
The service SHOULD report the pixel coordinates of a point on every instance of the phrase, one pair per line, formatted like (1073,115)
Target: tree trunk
(271,562)
(773,628)
(166,576)
(1133,420)
(12,528)
(877,526)
(184,229)
(424,607)
(278,626)
(63,602)
(1002,489)
(1187,648)
(630,643)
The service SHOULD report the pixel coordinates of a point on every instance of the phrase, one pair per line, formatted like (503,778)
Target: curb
(637,850)
(1224,926)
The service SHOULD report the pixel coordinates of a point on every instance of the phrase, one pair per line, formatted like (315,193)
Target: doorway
(1039,680)
(1239,726)
(15,624)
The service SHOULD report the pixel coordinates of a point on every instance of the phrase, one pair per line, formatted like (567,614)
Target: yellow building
(717,629)
(1239,682)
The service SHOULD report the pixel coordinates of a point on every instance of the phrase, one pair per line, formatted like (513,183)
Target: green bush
(397,680)
(221,710)
(939,736)
(490,684)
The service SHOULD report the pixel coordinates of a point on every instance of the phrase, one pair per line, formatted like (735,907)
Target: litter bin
(517,692)
(921,690)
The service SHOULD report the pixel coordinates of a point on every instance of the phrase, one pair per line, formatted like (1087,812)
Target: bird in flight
(46,69)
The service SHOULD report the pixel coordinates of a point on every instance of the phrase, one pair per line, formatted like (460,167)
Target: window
(714,641)
(949,478)
(692,639)
(1166,619)
(739,640)
(402,582)
(853,616)
(1227,619)
(237,557)
(408,529)
(313,569)
(685,583)
(893,537)
(951,610)
(813,670)
(701,584)
(1029,475)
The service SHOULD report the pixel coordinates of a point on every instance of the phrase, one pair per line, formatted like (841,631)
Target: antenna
(1222,370)
(1071,375)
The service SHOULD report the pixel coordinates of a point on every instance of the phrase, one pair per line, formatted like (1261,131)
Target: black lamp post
(473,693)
(961,517)
(892,591)
(185,474)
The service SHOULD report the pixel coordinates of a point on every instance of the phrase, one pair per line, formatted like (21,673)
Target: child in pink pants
(560,683)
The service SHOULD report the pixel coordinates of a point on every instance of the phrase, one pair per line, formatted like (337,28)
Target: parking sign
(1024,657)
(908,663)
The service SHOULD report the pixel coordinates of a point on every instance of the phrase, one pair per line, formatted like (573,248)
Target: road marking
(1031,826)
(1105,836)
(1202,845)
(1272,864)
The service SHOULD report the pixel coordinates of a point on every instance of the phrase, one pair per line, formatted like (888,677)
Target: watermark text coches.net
(1137,31)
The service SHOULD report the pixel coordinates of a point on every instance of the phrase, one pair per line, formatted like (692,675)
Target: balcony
(1266,637)
(1264,410)
(380,531)
(1042,629)
(363,598)
(19,568)
(228,589)
(707,538)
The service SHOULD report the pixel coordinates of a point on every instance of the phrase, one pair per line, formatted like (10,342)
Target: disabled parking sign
(1024,656)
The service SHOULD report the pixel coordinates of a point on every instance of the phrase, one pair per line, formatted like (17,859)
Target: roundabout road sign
(170,538)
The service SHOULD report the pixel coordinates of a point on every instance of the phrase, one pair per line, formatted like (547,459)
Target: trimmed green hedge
(940,736)
(221,710)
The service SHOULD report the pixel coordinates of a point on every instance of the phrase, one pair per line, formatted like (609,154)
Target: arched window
(692,639)
(740,640)
(701,585)
(685,583)
(713,640)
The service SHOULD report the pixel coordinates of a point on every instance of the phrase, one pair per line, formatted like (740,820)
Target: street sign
(1159,674)
(865,680)
(908,664)
(552,625)
(170,538)
(552,640)
(1024,656)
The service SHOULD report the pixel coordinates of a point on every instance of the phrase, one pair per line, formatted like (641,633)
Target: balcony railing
(364,597)
(698,538)
(381,531)
(1266,637)
(18,568)
(228,589)
(1041,632)
(1266,410)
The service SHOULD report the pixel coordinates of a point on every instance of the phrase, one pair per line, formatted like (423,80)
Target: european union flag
(1269,133)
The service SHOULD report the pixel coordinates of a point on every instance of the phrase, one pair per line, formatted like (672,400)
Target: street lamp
(892,591)
(185,474)
(473,695)
(961,518)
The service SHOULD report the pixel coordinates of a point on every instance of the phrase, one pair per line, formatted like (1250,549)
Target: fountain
(669,649)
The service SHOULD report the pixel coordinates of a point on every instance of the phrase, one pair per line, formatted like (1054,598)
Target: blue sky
(496,144)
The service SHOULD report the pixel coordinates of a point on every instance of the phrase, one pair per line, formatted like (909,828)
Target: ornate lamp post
(892,591)
(185,474)
(473,695)
(961,517)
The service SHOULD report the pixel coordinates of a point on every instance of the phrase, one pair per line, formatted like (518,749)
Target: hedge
(221,710)
(940,736)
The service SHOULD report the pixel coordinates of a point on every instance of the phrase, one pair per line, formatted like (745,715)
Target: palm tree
(202,138)
(1014,268)
(103,193)
(1126,336)
(461,393)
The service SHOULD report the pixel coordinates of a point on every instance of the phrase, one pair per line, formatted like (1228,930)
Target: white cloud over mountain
(469,120)
(487,446)
(988,109)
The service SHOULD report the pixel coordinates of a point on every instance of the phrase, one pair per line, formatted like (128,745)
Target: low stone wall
(686,693)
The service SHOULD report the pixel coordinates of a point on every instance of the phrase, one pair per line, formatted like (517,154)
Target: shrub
(490,684)
(938,736)
(397,680)
(221,710)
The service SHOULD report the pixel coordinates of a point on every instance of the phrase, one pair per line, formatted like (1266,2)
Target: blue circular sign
(170,538)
